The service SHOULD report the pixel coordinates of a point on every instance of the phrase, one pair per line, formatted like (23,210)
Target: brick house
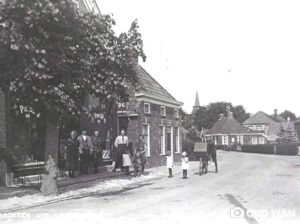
(228,132)
(268,125)
(154,113)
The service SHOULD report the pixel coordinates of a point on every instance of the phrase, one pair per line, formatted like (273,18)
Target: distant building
(229,132)
(268,125)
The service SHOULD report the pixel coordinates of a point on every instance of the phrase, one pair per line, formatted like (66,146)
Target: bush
(266,149)
(287,149)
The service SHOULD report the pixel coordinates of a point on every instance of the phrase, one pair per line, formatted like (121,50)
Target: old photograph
(149,112)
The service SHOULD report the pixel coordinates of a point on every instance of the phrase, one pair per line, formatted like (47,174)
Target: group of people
(124,159)
(83,152)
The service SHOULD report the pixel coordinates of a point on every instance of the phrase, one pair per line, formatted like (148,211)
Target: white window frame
(240,139)
(177,138)
(254,140)
(148,139)
(261,140)
(225,140)
(147,112)
(162,140)
(164,109)
(176,113)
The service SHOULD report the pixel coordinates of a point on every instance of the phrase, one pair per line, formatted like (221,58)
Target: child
(184,164)
(170,163)
(49,185)
(126,162)
(137,162)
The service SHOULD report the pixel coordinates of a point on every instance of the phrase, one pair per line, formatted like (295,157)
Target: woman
(141,149)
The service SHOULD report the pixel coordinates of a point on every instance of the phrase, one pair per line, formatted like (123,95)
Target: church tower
(196,107)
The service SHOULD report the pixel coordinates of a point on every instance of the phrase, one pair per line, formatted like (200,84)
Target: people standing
(211,148)
(184,164)
(85,151)
(170,163)
(97,151)
(121,145)
(141,148)
(72,154)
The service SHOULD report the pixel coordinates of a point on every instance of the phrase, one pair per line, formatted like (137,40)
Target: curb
(100,192)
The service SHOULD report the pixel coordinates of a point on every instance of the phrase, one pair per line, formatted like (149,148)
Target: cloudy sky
(244,52)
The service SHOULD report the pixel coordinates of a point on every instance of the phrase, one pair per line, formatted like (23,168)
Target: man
(213,153)
(72,157)
(121,145)
(97,150)
(85,150)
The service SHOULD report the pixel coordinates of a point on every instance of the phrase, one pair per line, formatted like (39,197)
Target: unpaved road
(265,187)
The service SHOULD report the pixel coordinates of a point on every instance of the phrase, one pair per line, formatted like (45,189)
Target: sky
(246,52)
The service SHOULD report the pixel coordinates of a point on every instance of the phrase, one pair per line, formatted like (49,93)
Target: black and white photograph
(148,112)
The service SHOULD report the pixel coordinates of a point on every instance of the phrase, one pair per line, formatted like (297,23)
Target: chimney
(275,112)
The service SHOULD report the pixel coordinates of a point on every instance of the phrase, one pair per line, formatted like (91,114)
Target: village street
(266,187)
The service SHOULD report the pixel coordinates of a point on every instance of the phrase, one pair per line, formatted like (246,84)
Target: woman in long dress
(49,185)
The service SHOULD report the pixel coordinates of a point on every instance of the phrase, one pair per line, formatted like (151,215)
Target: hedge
(278,149)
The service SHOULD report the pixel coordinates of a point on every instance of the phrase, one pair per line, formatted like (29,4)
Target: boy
(184,164)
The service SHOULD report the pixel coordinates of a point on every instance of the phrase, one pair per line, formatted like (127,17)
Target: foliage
(207,116)
(285,114)
(52,55)
(286,135)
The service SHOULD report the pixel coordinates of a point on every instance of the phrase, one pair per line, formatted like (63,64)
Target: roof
(197,103)
(228,125)
(260,118)
(278,118)
(151,88)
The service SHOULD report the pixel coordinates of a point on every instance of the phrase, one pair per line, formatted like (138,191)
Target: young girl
(184,164)
(170,163)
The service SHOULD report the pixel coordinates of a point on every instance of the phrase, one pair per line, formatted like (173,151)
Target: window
(240,139)
(176,113)
(232,140)
(177,149)
(224,140)
(147,108)
(254,140)
(261,140)
(146,134)
(162,140)
(162,111)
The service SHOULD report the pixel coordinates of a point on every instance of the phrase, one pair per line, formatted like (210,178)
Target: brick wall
(154,119)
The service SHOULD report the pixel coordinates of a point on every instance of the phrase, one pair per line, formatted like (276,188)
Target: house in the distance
(228,132)
(268,125)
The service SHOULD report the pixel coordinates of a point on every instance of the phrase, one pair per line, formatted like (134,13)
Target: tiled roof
(150,87)
(260,118)
(228,125)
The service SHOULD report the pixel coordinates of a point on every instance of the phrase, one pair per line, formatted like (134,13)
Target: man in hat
(97,150)
(85,151)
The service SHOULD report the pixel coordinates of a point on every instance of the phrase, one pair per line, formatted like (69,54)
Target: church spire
(196,107)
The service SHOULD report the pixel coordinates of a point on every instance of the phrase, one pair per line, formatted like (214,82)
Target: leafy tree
(207,116)
(52,56)
(289,114)
(286,135)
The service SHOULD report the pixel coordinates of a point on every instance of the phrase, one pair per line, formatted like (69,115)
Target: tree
(289,114)
(52,56)
(207,116)
(286,135)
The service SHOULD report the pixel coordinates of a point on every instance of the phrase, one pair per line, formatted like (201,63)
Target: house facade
(155,114)
(228,132)
(268,125)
